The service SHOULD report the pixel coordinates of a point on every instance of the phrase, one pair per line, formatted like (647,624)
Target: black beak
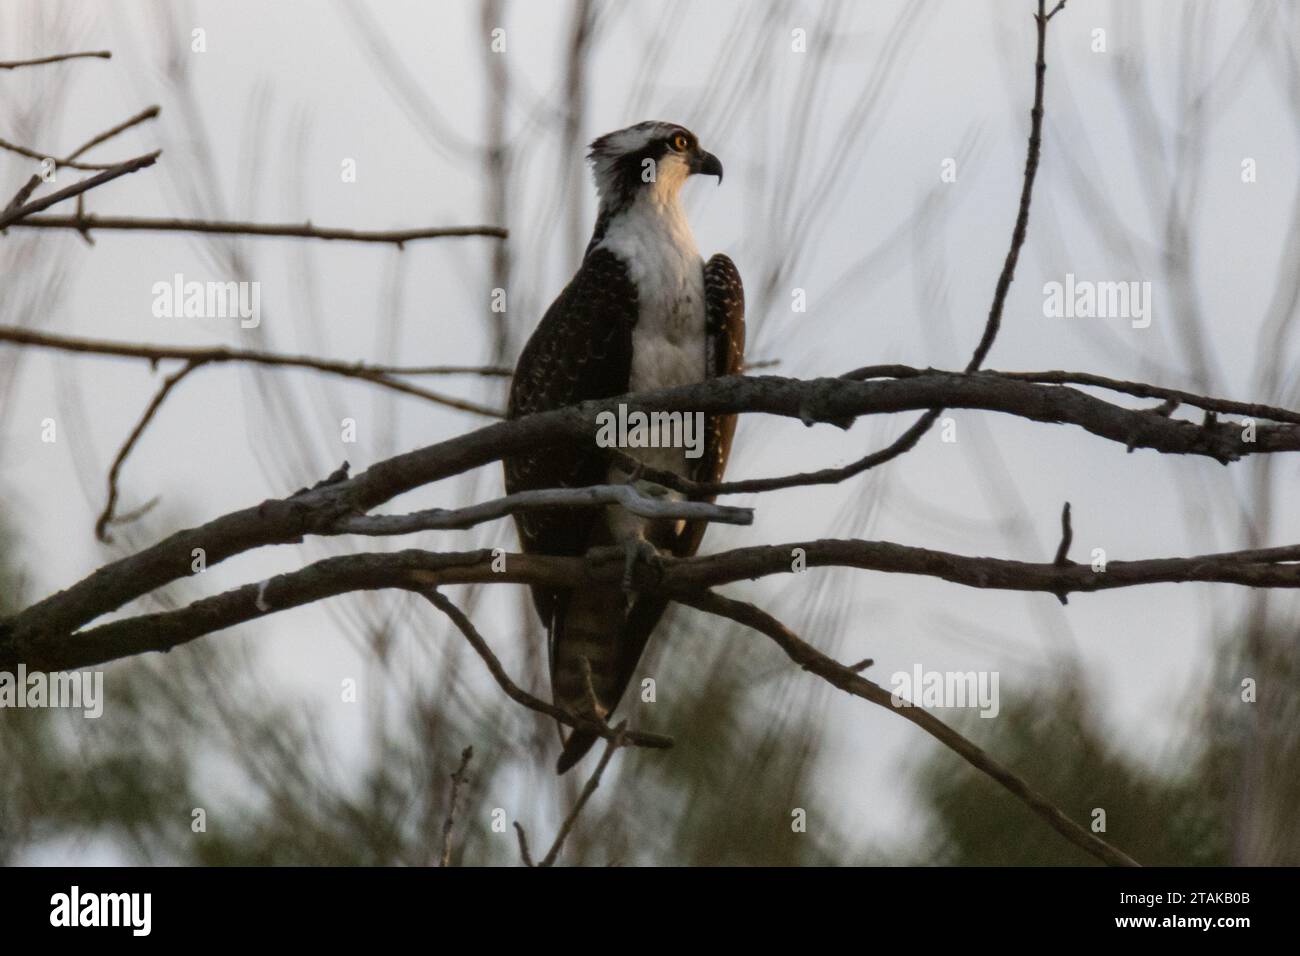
(706,163)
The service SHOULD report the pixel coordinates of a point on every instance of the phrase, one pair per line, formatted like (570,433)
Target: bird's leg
(633,550)
(639,549)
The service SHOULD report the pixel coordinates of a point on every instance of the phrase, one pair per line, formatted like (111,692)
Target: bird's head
(651,159)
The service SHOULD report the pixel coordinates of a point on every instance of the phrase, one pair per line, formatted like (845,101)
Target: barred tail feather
(587,629)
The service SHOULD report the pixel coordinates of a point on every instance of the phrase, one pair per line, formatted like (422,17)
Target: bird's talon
(639,549)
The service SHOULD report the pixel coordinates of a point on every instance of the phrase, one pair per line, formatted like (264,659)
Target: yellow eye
(680,143)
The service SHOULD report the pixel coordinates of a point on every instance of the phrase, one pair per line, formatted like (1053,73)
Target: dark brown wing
(581,350)
(724,298)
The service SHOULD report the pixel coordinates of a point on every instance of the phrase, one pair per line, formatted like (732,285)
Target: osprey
(644,311)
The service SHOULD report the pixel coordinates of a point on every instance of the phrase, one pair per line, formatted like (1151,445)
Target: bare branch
(218,354)
(523,846)
(458,519)
(612,744)
(35,180)
(1063,549)
(457,779)
(398,237)
(57,58)
(59,163)
(287,520)
(810,659)
(1021,229)
(1143,390)
(106,517)
(382,375)
(11,216)
(918,429)
(1139,436)
(38,638)
(148,113)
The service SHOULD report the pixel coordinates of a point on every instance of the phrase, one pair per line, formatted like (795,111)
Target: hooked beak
(706,163)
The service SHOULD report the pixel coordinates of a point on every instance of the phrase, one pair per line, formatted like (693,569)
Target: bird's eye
(679,143)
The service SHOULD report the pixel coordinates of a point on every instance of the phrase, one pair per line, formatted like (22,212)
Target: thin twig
(148,113)
(11,216)
(35,180)
(218,354)
(612,744)
(523,846)
(397,237)
(1067,535)
(457,779)
(1169,395)
(486,371)
(810,659)
(381,375)
(58,163)
(918,429)
(1063,549)
(106,516)
(57,58)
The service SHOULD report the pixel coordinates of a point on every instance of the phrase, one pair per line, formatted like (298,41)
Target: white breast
(654,240)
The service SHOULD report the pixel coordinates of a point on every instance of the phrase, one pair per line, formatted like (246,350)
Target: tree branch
(35,180)
(1143,390)
(918,429)
(457,779)
(398,237)
(11,216)
(834,673)
(612,744)
(106,516)
(458,519)
(318,511)
(381,375)
(57,58)
(33,636)
(59,163)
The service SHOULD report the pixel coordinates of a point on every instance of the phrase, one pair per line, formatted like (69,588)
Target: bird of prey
(644,311)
